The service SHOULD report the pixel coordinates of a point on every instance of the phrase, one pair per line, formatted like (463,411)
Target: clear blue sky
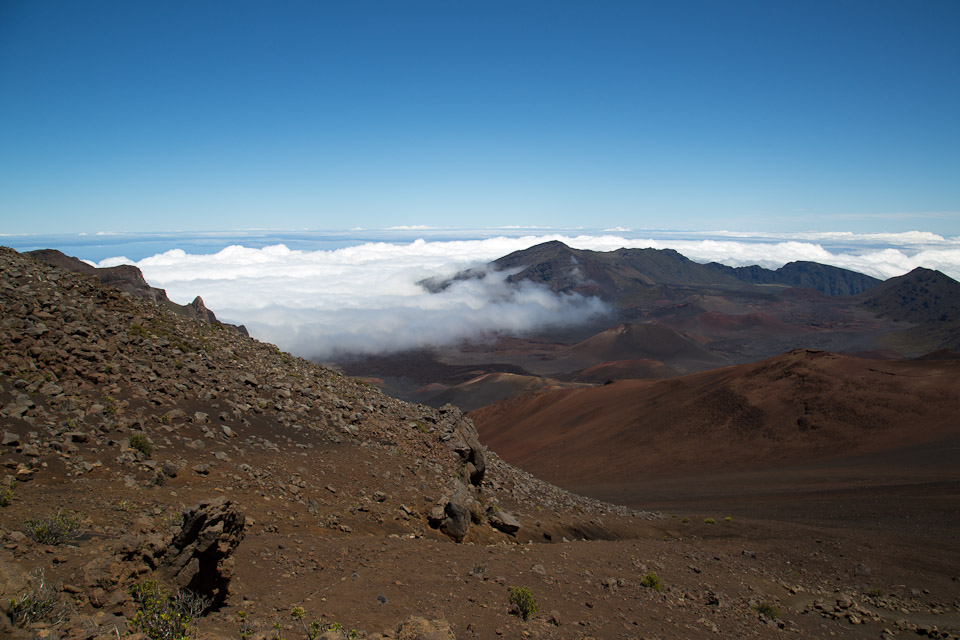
(186,115)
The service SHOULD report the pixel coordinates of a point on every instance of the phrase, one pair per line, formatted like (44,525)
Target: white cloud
(365,297)
(362,298)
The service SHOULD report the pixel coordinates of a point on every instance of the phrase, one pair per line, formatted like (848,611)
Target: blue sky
(779,116)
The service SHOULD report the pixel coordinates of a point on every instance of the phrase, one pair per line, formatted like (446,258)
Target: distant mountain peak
(921,295)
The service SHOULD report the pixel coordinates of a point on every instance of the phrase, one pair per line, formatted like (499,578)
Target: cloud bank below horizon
(365,298)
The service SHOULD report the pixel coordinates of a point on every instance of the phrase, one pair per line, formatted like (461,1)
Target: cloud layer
(364,298)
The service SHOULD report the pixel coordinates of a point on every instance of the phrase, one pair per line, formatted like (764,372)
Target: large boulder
(502,520)
(200,557)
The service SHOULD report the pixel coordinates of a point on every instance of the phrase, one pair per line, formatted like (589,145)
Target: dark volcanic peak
(614,275)
(610,275)
(921,296)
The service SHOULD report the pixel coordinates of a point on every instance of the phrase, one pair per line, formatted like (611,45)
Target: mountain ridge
(614,274)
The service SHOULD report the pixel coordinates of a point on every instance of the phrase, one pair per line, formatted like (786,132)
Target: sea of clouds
(365,298)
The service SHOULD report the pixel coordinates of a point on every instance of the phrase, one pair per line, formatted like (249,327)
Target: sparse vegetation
(109,404)
(246,627)
(137,331)
(6,494)
(651,581)
(299,614)
(728,519)
(53,529)
(522,598)
(769,610)
(41,603)
(162,617)
(173,520)
(709,521)
(139,442)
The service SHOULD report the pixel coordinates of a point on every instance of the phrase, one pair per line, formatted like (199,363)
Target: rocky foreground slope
(146,452)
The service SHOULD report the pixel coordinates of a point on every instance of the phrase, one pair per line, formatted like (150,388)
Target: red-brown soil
(815,449)
(794,409)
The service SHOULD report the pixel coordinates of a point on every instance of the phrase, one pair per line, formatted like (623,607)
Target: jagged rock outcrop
(460,506)
(200,557)
(130,280)
(461,435)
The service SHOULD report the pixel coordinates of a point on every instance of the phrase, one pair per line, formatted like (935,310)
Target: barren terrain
(388,519)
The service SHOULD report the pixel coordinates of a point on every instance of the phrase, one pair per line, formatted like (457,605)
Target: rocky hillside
(130,280)
(165,475)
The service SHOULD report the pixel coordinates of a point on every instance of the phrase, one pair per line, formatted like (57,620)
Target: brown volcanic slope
(636,342)
(489,388)
(619,369)
(793,409)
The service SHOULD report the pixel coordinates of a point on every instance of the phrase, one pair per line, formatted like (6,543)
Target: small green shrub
(41,603)
(769,610)
(685,520)
(523,599)
(6,494)
(728,519)
(246,627)
(53,529)
(139,442)
(164,617)
(109,404)
(709,521)
(298,614)
(138,331)
(173,520)
(651,581)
